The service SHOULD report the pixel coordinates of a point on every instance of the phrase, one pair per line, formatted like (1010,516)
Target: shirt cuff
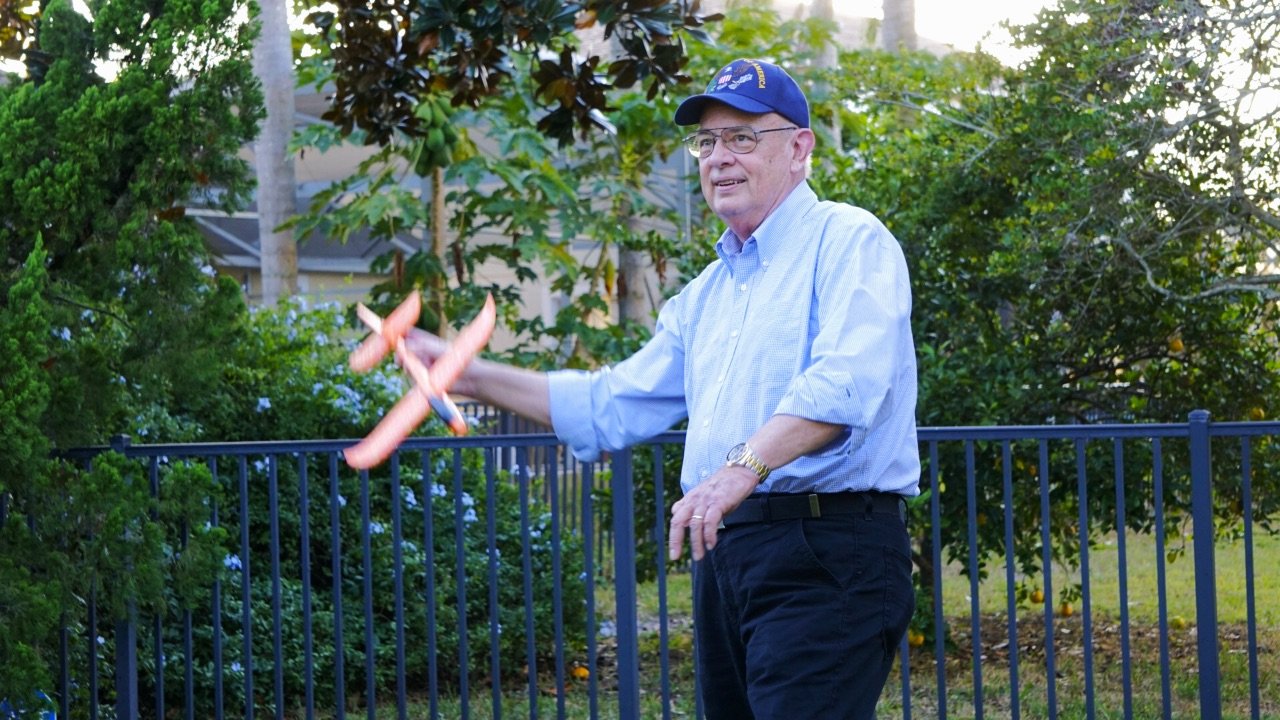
(571,415)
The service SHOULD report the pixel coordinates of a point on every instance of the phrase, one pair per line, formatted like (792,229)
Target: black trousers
(800,619)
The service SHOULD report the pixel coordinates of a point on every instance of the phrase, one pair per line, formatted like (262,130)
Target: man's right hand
(523,392)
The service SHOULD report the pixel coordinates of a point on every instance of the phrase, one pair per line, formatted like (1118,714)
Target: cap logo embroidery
(738,81)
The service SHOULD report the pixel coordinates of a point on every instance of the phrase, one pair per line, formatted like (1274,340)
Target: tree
(112,318)
(404,86)
(277,185)
(899,29)
(101,169)
(1083,243)
(387,55)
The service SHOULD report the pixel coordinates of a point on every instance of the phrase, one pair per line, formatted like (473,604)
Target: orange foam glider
(430,386)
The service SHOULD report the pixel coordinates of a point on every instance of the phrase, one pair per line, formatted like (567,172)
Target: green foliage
(289,377)
(1081,251)
(111,317)
(387,53)
(467,505)
(24,341)
(100,170)
(72,534)
(520,202)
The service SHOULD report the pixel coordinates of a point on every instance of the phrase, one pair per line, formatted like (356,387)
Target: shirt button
(765,263)
(706,423)
(733,333)
(743,287)
(703,473)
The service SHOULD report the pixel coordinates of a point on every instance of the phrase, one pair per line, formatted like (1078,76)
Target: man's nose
(719,151)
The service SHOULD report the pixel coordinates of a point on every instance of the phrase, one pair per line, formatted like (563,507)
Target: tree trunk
(438,285)
(829,59)
(898,33)
(277,186)
(635,301)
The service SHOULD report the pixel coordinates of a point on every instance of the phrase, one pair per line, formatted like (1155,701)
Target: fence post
(1206,583)
(126,638)
(127,667)
(624,579)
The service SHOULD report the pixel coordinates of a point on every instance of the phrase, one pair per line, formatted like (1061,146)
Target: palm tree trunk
(277,186)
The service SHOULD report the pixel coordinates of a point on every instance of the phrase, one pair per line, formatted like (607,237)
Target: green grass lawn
(1033,688)
(1104,581)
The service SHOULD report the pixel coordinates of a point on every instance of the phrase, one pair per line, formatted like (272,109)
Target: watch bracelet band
(752,462)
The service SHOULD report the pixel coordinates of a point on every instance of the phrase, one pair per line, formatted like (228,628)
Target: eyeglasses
(740,139)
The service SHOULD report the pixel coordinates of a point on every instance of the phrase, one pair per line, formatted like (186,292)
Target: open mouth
(728,183)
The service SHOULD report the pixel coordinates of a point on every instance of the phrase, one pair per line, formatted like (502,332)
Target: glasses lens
(700,143)
(739,139)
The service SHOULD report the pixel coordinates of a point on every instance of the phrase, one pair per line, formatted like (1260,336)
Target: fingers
(702,509)
(702,525)
(425,345)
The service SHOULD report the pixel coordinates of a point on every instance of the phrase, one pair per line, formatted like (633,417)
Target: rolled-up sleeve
(615,407)
(863,343)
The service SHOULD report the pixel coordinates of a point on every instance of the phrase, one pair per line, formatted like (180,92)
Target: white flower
(232,562)
(264,404)
(64,333)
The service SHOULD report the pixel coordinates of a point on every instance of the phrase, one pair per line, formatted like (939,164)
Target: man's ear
(802,146)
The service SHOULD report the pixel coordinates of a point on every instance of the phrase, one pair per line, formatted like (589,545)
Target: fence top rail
(1011,433)
(1101,431)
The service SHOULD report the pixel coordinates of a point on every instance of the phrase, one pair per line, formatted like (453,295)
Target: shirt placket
(745,269)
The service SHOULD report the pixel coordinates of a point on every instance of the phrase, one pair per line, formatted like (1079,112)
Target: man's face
(743,189)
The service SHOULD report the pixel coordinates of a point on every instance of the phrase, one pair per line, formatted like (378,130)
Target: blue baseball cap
(752,86)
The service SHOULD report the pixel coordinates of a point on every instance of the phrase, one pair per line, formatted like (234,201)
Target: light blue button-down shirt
(810,316)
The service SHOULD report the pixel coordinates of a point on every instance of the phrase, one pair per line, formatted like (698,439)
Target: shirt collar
(773,231)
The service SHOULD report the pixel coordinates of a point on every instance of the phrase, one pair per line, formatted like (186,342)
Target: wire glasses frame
(740,139)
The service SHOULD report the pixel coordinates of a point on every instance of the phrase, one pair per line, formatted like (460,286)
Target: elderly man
(791,357)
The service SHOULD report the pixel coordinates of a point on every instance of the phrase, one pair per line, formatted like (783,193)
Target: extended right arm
(520,391)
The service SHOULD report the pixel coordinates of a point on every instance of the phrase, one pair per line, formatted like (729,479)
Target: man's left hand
(702,509)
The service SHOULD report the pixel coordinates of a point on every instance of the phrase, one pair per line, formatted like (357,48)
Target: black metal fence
(473,570)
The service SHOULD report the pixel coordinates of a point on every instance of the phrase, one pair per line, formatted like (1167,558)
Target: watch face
(742,456)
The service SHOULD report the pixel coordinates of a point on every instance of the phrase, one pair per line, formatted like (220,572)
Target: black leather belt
(779,506)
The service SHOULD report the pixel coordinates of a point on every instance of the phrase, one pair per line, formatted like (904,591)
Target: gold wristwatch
(741,454)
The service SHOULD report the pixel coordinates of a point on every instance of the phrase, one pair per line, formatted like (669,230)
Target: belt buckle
(815,509)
